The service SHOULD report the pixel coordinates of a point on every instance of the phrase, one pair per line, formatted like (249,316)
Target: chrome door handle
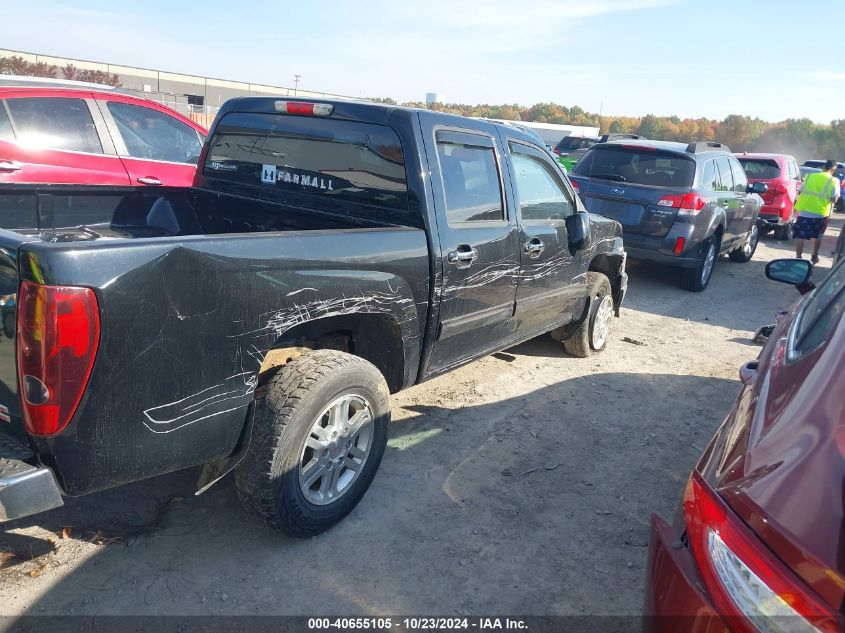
(149,180)
(10,165)
(463,256)
(534,247)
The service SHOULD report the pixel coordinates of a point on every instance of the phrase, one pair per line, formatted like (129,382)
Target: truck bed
(193,289)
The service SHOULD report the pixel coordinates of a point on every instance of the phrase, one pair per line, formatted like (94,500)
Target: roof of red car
(763,155)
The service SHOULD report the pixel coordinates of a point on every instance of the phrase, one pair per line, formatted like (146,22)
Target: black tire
(582,343)
(694,279)
(745,252)
(783,232)
(287,407)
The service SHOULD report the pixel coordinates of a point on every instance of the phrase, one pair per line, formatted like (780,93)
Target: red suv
(780,172)
(759,541)
(68,132)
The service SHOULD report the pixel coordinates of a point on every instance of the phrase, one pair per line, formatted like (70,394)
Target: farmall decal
(271,174)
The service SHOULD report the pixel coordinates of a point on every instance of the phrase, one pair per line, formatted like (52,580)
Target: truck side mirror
(578,228)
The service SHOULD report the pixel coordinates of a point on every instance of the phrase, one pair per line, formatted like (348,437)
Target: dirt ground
(520,484)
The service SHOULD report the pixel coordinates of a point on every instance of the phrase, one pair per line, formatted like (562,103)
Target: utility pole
(296,79)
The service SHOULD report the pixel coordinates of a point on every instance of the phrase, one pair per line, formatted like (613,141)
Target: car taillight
(556,151)
(748,584)
(688,201)
(57,338)
(575,186)
(304,107)
(778,189)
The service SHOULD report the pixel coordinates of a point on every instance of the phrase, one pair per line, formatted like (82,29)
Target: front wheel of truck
(319,433)
(591,335)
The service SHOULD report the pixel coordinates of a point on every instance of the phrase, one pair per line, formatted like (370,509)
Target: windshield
(637,165)
(761,169)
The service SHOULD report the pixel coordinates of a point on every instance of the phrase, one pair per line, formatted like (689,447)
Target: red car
(74,133)
(780,172)
(758,543)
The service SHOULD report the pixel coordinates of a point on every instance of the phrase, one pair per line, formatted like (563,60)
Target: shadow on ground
(535,504)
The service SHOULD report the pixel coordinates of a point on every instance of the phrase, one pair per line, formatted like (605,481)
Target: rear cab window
(637,165)
(55,123)
(349,167)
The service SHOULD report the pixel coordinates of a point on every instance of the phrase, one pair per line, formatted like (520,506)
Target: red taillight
(556,151)
(575,186)
(679,246)
(688,201)
(758,585)
(778,189)
(304,107)
(57,339)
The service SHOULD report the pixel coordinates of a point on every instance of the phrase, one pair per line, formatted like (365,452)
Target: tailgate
(636,208)
(11,422)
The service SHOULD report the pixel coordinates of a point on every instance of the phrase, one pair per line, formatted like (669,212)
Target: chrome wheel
(751,241)
(336,449)
(601,322)
(709,260)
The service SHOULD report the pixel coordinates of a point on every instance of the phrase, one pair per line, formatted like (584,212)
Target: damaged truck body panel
(412,240)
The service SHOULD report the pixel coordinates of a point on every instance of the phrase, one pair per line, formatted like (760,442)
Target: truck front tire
(319,433)
(591,335)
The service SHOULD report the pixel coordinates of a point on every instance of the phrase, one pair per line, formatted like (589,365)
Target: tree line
(16,65)
(801,137)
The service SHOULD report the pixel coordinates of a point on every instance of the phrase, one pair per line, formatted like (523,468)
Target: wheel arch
(610,265)
(373,336)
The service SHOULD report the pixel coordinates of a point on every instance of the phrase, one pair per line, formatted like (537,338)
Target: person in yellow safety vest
(818,193)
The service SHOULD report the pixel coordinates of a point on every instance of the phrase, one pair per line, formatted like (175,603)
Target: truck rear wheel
(591,336)
(318,436)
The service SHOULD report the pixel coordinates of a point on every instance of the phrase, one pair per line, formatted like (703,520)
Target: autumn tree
(16,65)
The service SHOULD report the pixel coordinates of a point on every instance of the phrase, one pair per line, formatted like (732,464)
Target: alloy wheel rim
(336,449)
(750,241)
(601,323)
(709,259)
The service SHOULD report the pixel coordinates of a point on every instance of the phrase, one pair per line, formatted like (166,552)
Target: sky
(688,58)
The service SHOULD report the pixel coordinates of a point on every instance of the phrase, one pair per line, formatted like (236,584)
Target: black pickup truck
(328,254)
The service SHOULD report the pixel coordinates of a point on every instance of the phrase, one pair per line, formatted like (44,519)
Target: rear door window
(153,135)
(471,182)
(740,180)
(726,180)
(309,160)
(56,123)
(637,165)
